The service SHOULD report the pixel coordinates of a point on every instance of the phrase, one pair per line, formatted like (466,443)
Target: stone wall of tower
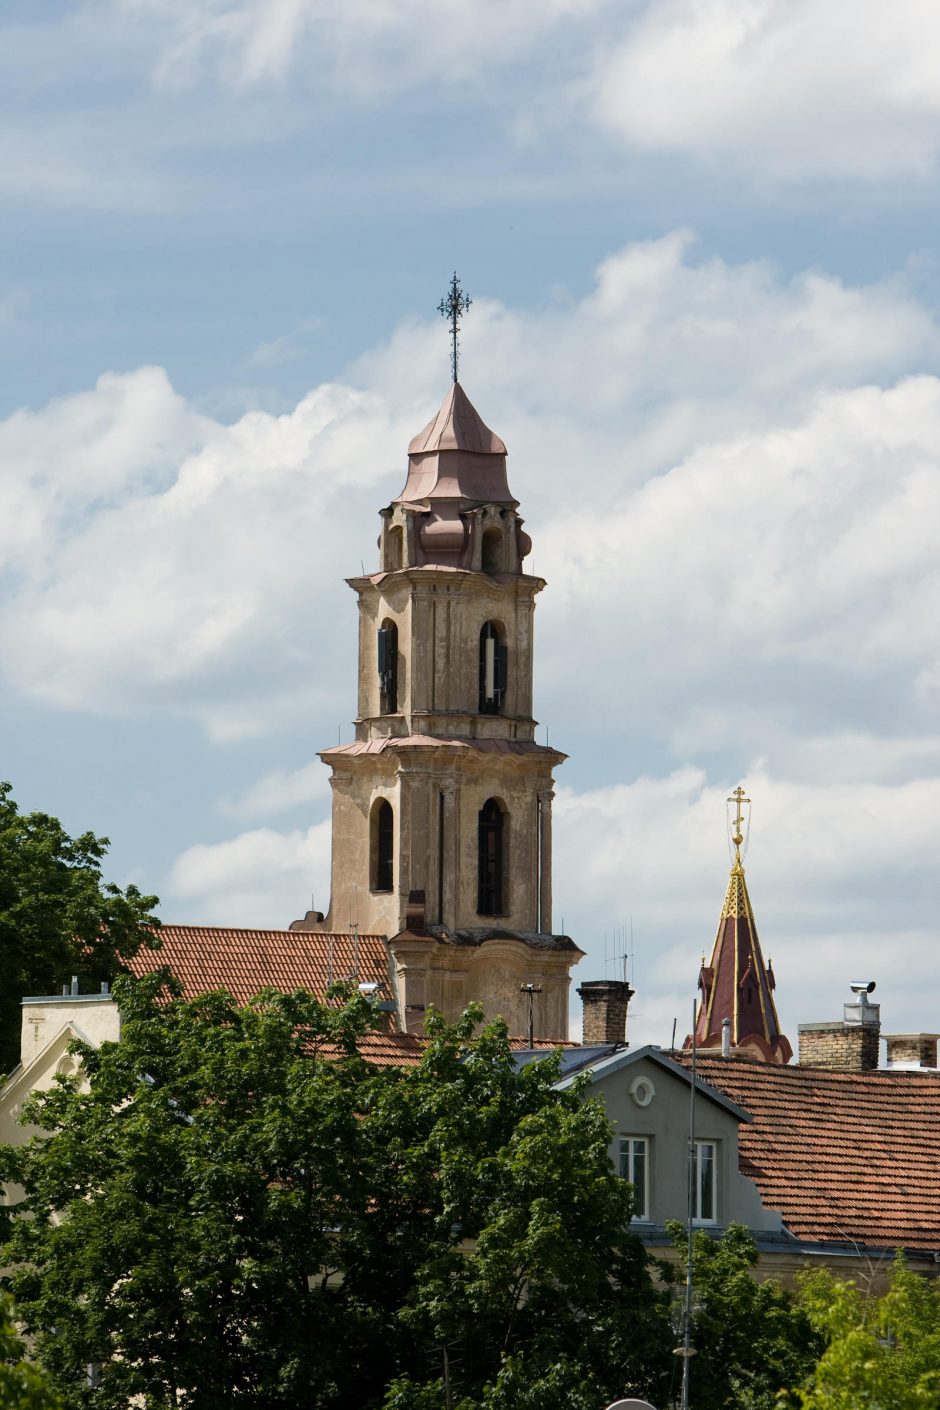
(439,615)
(442,835)
(436,793)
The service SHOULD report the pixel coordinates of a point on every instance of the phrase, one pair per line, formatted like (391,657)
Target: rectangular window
(634,1166)
(704,1170)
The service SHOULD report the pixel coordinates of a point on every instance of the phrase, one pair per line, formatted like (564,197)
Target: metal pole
(687,1318)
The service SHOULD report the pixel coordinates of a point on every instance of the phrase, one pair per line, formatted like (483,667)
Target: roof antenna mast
(453,307)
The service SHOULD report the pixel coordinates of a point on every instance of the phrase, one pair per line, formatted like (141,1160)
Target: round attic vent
(642,1091)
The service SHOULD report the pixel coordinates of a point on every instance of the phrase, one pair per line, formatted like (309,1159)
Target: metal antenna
(354,922)
(454,306)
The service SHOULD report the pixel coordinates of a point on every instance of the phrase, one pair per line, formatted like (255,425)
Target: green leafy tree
(880,1353)
(23,1385)
(180,1206)
(57,917)
(545,1297)
(752,1341)
(238,1209)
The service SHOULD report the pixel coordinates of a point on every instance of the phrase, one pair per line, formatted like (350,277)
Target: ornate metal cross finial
(453,307)
(737,836)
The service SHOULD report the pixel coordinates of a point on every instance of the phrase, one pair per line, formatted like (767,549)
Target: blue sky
(700,237)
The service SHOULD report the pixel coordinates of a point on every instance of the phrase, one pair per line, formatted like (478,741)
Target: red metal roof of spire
(457,458)
(457,426)
(736,984)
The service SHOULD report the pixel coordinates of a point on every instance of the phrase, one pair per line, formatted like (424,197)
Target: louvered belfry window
(388,667)
(490,874)
(494,661)
(384,842)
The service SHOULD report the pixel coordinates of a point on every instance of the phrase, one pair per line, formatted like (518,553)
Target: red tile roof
(205,957)
(847,1156)
(406,1049)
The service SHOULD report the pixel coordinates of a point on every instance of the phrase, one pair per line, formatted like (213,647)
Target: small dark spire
(453,307)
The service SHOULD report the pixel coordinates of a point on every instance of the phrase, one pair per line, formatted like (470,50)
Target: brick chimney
(912,1050)
(847,1046)
(605,1010)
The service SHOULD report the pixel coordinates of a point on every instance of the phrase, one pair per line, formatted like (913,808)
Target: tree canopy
(237,1208)
(752,1339)
(23,1386)
(232,1207)
(57,916)
(881,1353)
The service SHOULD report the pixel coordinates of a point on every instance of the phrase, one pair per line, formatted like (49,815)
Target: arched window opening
(491,861)
(394,555)
(494,662)
(492,551)
(388,667)
(383,845)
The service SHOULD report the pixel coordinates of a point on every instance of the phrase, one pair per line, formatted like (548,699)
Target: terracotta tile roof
(207,957)
(392,1049)
(406,1049)
(846,1156)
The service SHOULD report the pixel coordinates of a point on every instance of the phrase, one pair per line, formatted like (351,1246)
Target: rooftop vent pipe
(862,1011)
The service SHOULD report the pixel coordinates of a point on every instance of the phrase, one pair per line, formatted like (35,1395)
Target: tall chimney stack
(847,1046)
(912,1050)
(605,1010)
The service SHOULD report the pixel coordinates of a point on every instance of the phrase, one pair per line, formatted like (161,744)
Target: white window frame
(628,1155)
(699,1215)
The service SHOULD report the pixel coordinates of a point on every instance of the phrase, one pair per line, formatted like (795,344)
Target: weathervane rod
(453,307)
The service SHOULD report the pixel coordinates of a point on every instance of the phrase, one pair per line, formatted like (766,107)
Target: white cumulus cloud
(259,878)
(841,876)
(788,89)
(279,790)
(733,485)
(717,466)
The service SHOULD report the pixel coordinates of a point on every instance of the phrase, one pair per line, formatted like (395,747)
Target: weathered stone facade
(442,823)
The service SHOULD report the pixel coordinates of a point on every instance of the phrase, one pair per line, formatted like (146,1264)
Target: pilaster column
(448,843)
(545,861)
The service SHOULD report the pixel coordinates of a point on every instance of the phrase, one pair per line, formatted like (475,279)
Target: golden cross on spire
(737,837)
(453,307)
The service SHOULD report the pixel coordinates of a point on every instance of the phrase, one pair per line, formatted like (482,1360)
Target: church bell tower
(442,804)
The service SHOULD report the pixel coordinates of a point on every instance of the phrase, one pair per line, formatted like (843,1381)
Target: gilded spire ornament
(737,837)
(453,307)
